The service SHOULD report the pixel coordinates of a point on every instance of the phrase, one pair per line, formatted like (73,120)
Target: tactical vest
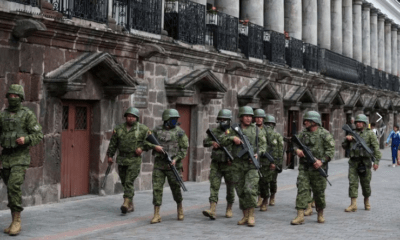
(11,129)
(314,143)
(169,140)
(219,154)
(360,152)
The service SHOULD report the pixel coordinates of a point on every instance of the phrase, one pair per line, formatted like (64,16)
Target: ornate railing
(375,77)
(294,53)
(337,66)
(310,57)
(222,31)
(92,10)
(33,3)
(185,21)
(138,14)
(251,40)
(274,47)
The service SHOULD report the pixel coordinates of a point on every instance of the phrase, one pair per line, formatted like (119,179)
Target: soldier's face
(307,123)
(246,119)
(360,125)
(130,119)
(259,121)
(12,95)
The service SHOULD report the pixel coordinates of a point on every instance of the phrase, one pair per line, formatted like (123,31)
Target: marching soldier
(19,130)
(129,139)
(221,166)
(174,141)
(322,146)
(360,163)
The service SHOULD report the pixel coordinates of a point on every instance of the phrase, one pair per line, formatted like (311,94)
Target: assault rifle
(359,142)
(214,138)
(271,160)
(247,148)
(309,156)
(103,184)
(178,178)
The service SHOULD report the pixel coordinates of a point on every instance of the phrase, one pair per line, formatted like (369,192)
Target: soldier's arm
(279,148)
(146,146)
(375,147)
(112,147)
(262,143)
(295,147)
(34,130)
(183,143)
(329,148)
(207,142)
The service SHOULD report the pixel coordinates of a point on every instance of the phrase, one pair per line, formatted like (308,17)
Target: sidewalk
(94,217)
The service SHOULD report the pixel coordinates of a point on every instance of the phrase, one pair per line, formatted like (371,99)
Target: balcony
(310,57)
(222,31)
(294,53)
(274,47)
(337,66)
(92,10)
(251,40)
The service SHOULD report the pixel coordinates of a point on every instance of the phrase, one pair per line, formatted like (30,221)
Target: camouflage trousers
(216,173)
(268,183)
(354,177)
(128,174)
(246,183)
(158,185)
(310,181)
(14,178)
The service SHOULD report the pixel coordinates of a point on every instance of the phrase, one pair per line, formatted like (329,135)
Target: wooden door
(75,139)
(325,120)
(185,113)
(293,126)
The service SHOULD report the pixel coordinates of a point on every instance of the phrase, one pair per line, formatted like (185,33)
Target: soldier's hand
(159,149)
(272,166)
(256,156)
(317,164)
(215,145)
(349,138)
(110,160)
(237,141)
(376,167)
(20,141)
(173,162)
(300,153)
(138,151)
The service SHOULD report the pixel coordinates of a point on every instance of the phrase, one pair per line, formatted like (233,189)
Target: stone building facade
(81,74)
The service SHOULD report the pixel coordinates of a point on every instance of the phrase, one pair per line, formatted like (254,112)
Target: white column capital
(357,2)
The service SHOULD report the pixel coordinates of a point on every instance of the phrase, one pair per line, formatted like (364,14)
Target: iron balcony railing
(184,20)
(92,10)
(294,53)
(337,66)
(310,57)
(33,3)
(222,31)
(251,40)
(274,47)
(143,15)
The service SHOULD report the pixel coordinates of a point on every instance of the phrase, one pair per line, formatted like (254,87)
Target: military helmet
(259,113)
(269,119)
(313,116)
(133,111)
(225,114)
(246,110)
(361,118)
(16,89)
(170,113)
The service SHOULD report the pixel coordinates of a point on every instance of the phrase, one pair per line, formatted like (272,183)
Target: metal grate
(92,10)
(256,43)
(310,57)
(222,31)
(274,47)
(294,53)
(65,113)
(81,118)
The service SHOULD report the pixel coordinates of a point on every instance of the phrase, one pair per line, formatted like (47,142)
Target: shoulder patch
(181,133)
(227,132)
(36,127)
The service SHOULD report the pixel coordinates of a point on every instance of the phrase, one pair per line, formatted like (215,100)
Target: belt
(127,154)
(9,151)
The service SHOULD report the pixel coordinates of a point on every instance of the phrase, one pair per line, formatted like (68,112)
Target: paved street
(94,217)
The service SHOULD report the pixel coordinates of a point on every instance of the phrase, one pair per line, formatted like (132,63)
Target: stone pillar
(230,7)
(274,15)
(394,49)
(381,41)
(293,18)
(310,22)
(374,37)
(357,30)
(324,24)
(388,45)
(366,34)
(347,26)
(336,26)
(253,10)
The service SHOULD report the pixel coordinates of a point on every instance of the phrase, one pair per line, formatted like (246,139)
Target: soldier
(246,176)
(174,141)
(221,166)
(322,146)
(19,130)
(268,184)
(360,163)
(129,139)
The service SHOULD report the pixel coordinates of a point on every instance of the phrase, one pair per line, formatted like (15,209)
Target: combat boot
(16,225)
(245,218)
(157,217)
(299,218)
(313,204)
(180,212)
(131,207)
(252,220)
(321,218)
(7,230)
(229,213)
(308,211)
(264,205)
(366,204)
(260,200)
(272,200)
(353,206)
(125,205)
(211,212)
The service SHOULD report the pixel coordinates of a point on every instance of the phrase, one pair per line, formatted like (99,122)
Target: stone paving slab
(94,217)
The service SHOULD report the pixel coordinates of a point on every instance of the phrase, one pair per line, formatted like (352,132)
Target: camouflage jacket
(274,146)
(218,155)
(31,130)
(372,142)
(321,144)
(175,142)
(127,142)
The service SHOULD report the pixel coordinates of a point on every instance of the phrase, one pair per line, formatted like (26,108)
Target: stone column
(366,34)
(381,41)
(253,10)
(324,24)
(274,15)
(357,30)
(310,22)
(336,26)
(347,26)
(230,7)
(394,49)
(293,18)
(388,45)
(374,37)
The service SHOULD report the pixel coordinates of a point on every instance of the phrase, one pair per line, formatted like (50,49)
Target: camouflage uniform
(15,122)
